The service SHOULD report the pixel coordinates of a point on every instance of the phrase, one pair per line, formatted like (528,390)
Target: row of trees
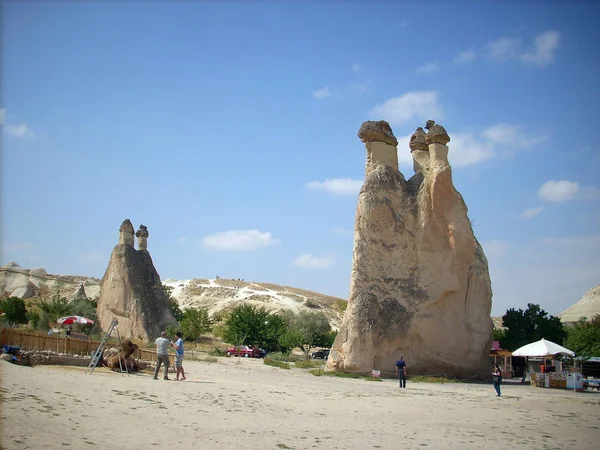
(41,314)
(251,325)
(532,324)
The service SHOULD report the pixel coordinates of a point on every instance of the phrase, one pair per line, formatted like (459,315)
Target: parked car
(245,351)
(323,354)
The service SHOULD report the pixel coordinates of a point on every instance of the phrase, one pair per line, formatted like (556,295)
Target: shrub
(271,362)
(217,351)
(307,363)
(426,379)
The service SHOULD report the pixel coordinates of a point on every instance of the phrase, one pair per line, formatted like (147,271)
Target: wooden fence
(68,346)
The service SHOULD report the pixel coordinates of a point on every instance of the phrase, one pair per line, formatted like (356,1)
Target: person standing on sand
(162,355)
(497,373)
(178,346)
(401,371)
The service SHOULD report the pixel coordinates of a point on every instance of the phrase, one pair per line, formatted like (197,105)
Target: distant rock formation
(131,289)
(79,293)
(588,306)
(420,285)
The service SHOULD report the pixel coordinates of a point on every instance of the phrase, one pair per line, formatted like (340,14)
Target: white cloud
(465,56)
(308,261)
(343,231)
(428,68)
(182,239)
(532,212)
(94,255)
(544,48)
(416,104)
(356,68)
(241,240)
(336,186)
(558,190)
(495,248)
(541,53)
(19,131)
(512,136)
(321,93)
(504,48)
(468,149)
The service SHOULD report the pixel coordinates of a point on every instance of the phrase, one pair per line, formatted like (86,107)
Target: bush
(217,351)
(283,357)
(307,363)
(271,362)
(426,379)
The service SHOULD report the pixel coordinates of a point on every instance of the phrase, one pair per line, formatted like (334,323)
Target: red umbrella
(68,320)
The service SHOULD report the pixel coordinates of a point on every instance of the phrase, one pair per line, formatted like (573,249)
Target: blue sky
(229,130)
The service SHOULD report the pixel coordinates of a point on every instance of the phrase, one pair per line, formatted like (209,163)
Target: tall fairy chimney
(126,233)
(142,235)
(381,144)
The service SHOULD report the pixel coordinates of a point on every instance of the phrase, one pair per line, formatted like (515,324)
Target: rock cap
(417,141)
(142,232)
(436,134)
(126,226)
(377,131)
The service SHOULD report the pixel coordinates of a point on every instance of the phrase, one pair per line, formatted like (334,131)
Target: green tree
(250,325)
(13,310)
(313,327)
(533,324)
(584,337)
(195,323)
(87,308)
(173,304)
(50,311)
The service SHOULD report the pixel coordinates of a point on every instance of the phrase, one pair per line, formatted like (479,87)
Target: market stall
(549,373)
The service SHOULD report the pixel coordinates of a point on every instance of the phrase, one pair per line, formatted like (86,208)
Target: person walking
(162,355)
(178,346)
(401,371)
(497,373)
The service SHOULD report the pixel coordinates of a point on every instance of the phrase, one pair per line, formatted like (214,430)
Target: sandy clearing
(241,403)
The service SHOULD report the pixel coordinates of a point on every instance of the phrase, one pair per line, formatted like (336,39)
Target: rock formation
(420,285)
(588,306)
(131,289)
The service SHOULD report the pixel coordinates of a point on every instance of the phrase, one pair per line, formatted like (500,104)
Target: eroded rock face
(420,285)
(132,292)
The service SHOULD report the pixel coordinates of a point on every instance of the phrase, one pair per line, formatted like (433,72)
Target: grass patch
(426,379)
(307,364)
(272,362)
(321,373)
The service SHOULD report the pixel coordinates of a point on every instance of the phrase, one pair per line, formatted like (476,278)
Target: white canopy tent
(542,348)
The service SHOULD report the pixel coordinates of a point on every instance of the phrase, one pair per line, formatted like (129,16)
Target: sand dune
(244,404)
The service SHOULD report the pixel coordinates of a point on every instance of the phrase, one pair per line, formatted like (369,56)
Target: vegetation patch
(426,379)
(322,373)
(307,364)
(271,362)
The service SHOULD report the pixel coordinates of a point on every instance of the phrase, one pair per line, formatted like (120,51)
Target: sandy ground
(241,403)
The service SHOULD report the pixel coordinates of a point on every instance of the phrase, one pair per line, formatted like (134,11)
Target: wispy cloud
(182,239)
(513,136)
(2,113)
(428,68)
(403,24)
(532,212)
(541,52)
(544,49)
(565,190)
(465,56)
(239,240)
(15,130)
(336,186)
(94,255)
(13,247)
(321,93)
(312,262)
(343,231)
(416,104)
(495,248)
(356,68)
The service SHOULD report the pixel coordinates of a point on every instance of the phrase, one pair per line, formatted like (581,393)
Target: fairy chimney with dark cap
(131,289)
(420,285)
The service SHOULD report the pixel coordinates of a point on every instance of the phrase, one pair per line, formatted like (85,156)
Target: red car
(245,351)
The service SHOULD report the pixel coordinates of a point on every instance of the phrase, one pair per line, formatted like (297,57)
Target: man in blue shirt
(401,371)
(178,346)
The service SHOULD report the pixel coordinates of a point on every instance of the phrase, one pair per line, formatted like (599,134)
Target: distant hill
(214,294)
(588,306)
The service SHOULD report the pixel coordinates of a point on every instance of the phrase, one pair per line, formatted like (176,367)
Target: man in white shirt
(162,354)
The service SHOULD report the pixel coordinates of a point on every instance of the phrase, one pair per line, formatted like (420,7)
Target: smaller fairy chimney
(437,140)
(381,144)
(142,235)
(126,233)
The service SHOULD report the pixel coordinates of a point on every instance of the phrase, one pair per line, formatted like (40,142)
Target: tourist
(178,346)
(401,371)
(162,355)
(497,373)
